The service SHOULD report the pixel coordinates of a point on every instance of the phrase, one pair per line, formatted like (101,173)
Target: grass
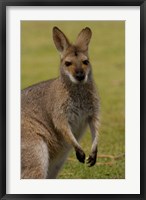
(40,61)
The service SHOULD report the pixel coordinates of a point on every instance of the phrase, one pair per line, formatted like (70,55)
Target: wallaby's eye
(85,62)
(67,63)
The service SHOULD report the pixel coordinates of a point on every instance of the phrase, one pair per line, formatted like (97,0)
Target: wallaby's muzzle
(80,75)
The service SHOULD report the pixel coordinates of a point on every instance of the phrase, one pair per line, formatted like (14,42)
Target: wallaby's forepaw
(91,160)
(80,155)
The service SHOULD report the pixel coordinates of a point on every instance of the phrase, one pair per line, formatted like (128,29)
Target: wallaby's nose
(80,75)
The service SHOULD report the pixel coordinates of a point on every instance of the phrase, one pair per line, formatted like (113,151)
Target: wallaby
(56,113)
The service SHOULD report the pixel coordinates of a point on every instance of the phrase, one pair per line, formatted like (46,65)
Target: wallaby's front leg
(70,138)
(93,124)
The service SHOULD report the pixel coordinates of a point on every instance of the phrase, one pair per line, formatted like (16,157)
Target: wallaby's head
(75,63)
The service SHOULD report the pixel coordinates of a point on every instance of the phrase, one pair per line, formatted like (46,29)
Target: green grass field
(40,61)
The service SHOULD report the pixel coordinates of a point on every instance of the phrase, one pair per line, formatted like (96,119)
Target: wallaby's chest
(78,124)
(79,109)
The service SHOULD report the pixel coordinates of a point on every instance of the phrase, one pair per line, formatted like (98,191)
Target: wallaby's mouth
(80,77)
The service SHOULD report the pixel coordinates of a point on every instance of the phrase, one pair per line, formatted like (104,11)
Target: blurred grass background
(40,61)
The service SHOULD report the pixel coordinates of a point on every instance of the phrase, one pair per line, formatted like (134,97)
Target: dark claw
(91,160)
(80,155)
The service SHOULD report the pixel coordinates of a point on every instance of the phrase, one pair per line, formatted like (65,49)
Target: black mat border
(3,6)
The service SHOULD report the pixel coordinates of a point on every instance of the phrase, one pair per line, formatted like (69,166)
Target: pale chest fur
(80,108)
(78,121)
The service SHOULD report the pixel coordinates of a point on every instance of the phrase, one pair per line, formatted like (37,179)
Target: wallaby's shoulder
(37,88)
(36,96)
(44,96)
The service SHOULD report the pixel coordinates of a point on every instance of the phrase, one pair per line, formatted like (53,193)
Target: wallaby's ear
(83,39)
(60,40)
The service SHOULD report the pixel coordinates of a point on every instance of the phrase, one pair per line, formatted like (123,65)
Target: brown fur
(55,113)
